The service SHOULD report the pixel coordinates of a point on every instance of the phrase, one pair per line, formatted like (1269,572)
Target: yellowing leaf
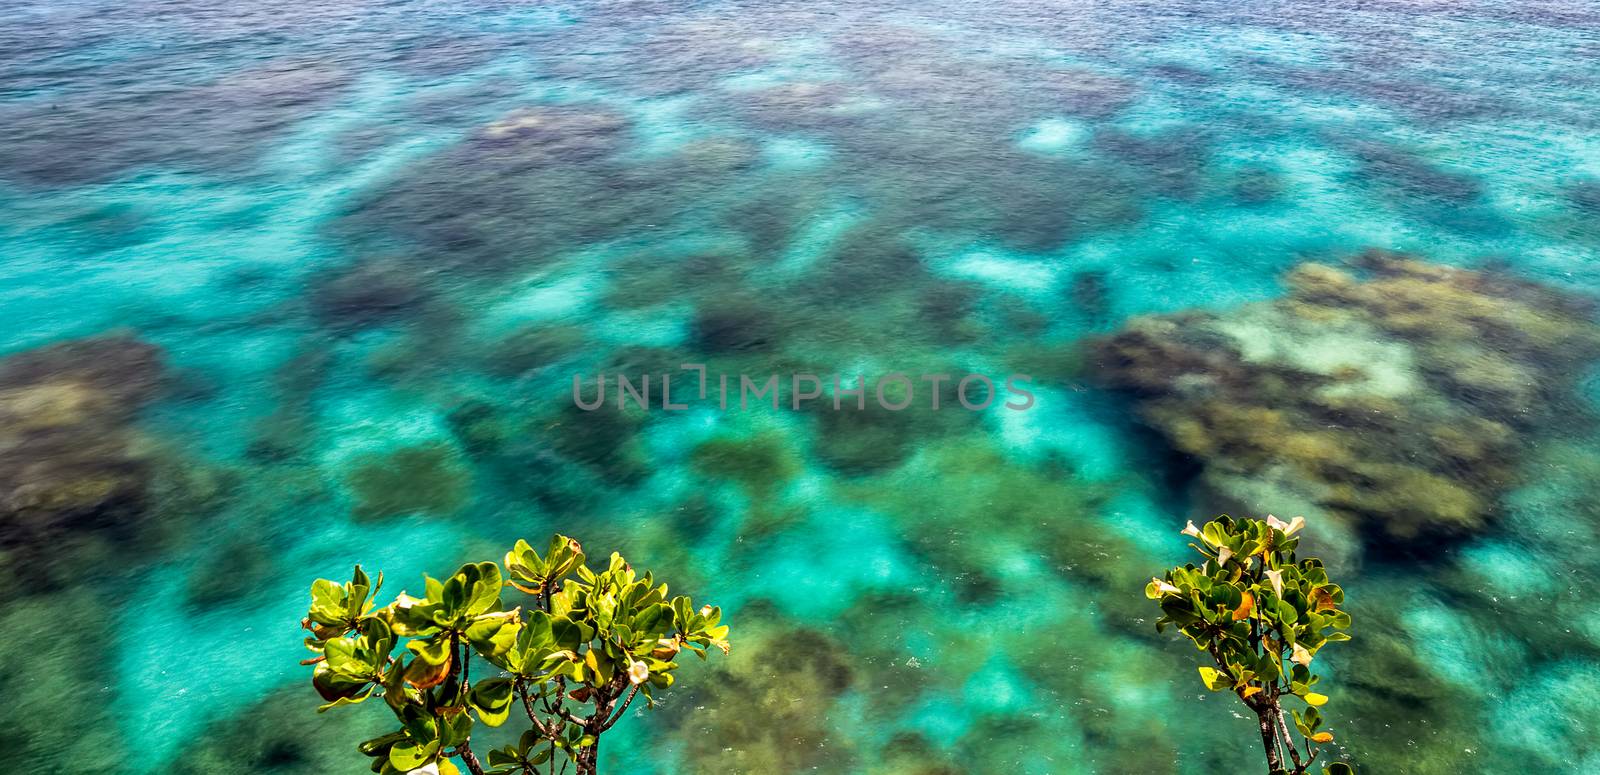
(1324,600)
(1213,678)
(1246,606)
(1322,737)
(1312,698)
(1250,691)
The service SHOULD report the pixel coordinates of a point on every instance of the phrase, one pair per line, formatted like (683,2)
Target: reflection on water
(286,288)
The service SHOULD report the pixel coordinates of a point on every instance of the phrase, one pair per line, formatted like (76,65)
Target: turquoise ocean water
(374,241)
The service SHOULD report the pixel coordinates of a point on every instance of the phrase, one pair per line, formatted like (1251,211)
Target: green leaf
(456,729)
(492,699)
(569,634)
(354,700)
(379,746)
(409,754)
(654,622)
(327,602)
(483,588)
(333,685)
(600,665)
(494,635)
(525,567)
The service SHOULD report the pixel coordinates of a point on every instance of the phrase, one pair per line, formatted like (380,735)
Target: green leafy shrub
(573,661)
(1262,616)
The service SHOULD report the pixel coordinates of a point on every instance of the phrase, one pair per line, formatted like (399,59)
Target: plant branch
(469,759)
(621,710)
(1288,739)
(527,706)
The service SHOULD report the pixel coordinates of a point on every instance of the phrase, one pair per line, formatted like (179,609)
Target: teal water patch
(375,245)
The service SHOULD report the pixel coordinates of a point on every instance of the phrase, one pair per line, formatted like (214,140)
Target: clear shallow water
(374,242)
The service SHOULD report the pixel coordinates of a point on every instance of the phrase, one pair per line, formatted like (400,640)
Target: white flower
(427,769)
(1288,528)
(1164,588)
(1223,555)
(1191,531)
(1276,577)
(638,673)
(1301,656)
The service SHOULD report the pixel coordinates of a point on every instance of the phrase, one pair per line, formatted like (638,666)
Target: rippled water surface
(290,286)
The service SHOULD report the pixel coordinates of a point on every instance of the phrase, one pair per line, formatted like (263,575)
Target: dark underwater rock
(741,324)
(1585,193)
(368,293)
(1402,398)
(69,458)
(605,440)
(532,347)
(1256,185)
(1415,175)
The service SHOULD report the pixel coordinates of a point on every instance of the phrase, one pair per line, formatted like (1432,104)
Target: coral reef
(762,464)
(183,122)
(763,715)
(867,437)
(549,134)
(532,347)
(421,479)
(70,461)
(800,105)
(1086,92)
(647,279)
(523,189)
(281,733)
(1400,394)
(53,711)
(279,435)
(972,512)
(605,440)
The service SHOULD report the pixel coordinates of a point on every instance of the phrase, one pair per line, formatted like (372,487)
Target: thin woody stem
(527,706)
(621,710)
(1288,740)
(469,759)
